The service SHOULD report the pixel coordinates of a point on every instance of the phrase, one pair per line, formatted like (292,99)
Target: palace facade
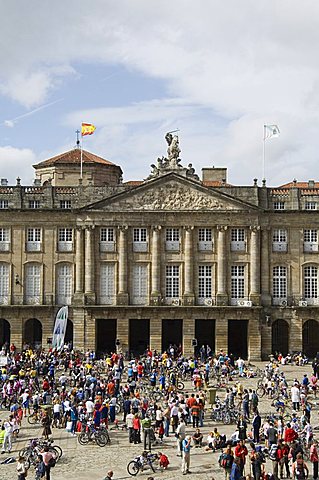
(171,259)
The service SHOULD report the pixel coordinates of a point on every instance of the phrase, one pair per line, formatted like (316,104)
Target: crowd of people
(144,396)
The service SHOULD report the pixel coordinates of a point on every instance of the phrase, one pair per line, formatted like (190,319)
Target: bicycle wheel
(260,391)
(180,385)
(32,419)
(58,450)
(55,453)
(117,408)
(100,439)
(227,418)
(133,468)
(83,438)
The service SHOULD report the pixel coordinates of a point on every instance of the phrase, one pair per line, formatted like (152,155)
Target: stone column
(264,277)
(222,297)
(254,294)
(16,334)
(188,335)
(122,296)
(122,334)
(156,266)
(221,335)
(295,332)
(156,334)
(79,260)
(188,298)
(89,265)
(78,329)
(254,337)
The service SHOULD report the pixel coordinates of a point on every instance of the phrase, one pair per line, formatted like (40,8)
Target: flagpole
(264,153)
(81,173)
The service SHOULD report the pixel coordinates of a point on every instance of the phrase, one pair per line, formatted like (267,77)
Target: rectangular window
(140,285)
(205,239)
(311,284)
(172,282)
(279,205)
(139,235)
(279,285)
(140,240)
(107,234)
(279,240)
(4,239)
(32,283)
(237,282)
(204,282)
(65,239)
(33,239)
(4,283)
(65,204)
(310,240)
(311,205)
(34,204)
(172,239)
(237,237)
(107,283)
(64,284)
(4,204)
(107,239)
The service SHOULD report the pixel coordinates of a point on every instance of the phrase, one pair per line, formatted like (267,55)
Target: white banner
(60,328)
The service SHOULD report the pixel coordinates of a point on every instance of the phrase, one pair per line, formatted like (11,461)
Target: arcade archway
(32,334)
(280,337)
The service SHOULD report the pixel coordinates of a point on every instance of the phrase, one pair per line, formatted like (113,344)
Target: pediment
(170,194)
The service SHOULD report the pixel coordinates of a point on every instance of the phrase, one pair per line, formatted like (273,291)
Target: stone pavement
(92,462)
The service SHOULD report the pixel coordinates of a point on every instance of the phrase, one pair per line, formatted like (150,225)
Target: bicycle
(91,434)
(139,463)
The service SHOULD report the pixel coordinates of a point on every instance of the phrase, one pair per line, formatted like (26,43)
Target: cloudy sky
(215,70)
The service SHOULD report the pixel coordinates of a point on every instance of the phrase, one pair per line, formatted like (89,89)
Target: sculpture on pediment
(171,163)
(176,197)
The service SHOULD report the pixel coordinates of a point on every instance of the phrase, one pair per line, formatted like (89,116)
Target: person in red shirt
(137,429)
(290,434)
(241,452)
(163,460)
(140,370)
(314,458)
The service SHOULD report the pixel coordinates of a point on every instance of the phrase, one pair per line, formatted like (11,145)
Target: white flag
(60,328)
(271,131)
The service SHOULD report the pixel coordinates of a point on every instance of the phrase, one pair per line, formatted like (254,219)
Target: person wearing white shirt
(89,405)
(7,441)
(180,434)
(295,397)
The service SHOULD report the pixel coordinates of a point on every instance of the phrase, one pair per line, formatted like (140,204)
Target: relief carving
(174,197)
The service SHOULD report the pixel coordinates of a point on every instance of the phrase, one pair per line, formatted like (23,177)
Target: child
(163,461)
(161,432)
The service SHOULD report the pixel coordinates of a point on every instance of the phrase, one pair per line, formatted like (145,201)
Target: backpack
(226,460)
(273,451)
(52,462)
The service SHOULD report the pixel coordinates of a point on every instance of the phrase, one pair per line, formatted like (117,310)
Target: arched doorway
(69,333)
(4,332)
(310,338)
(280,337)
(33,333)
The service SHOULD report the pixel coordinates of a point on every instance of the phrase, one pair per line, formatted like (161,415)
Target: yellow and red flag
(87,129)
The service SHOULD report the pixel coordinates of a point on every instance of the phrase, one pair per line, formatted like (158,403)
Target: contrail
(11,123)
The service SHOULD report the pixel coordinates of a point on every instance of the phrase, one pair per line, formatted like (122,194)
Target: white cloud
(17,160)
(250,62)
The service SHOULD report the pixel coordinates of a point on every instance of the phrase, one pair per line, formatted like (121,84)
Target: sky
(216,70)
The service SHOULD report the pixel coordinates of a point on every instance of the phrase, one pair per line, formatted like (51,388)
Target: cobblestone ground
(92,462)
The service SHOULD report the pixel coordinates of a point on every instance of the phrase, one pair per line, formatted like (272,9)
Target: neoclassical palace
(176,258)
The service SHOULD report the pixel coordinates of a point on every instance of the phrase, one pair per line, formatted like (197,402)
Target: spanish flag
(87,129)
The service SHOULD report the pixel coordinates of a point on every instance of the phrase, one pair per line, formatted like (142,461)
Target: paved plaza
(92,462)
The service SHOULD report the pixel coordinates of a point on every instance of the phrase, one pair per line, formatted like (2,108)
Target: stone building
(165,260)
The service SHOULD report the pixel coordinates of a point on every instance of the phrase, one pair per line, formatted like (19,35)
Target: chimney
(214,174)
